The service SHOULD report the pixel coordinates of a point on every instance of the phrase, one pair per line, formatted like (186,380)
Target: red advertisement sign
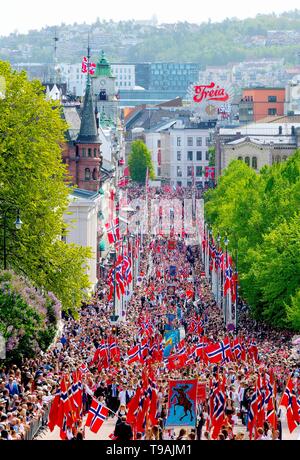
(210,93)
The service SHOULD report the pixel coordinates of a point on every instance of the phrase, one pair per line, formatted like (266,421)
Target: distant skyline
(23,15)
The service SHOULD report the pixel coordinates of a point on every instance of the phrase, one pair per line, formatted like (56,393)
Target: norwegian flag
(96,416)
(127,274)
(289,401)
(83,368)
(113,231)
(218,352)
(237,348)
(123,182)
(134,354)
(252,412)
(218,408)
(85,65)
(228,275)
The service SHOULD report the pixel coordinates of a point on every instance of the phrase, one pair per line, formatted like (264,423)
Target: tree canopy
(139,160)
(33,178)
(261,215)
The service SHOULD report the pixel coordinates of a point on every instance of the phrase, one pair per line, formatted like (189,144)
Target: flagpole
(236,293)
(226,241)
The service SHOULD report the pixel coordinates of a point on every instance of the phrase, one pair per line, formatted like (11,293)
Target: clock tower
(104,88)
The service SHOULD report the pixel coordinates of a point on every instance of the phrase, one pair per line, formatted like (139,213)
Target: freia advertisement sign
(211,100)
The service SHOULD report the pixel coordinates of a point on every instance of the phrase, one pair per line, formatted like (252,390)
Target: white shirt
(122,397)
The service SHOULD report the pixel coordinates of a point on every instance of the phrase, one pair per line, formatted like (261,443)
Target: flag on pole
(96,416)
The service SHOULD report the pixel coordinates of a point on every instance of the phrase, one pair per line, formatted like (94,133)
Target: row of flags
(223,261)
(120,276)
(67,405)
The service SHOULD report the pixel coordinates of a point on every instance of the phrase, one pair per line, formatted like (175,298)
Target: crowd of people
(27,389)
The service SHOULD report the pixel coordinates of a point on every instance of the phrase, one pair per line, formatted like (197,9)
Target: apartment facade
(261,102)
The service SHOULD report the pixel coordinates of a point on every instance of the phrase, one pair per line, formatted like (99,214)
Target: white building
(180,151)
(125,75)
(81,220)
(71,75)
(292,97)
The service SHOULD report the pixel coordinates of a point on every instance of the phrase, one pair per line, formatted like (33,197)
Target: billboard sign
(211,101)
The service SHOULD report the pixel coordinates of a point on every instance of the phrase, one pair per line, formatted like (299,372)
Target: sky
(23,15)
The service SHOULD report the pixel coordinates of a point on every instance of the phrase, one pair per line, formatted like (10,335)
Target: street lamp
(5,208)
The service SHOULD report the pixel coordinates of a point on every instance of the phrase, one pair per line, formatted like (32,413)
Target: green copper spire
(88,128)
(103,68)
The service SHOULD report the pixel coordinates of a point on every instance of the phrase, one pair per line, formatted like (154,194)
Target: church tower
(104,86)
(88,155)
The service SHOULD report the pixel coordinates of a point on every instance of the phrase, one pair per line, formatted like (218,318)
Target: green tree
(276,273)
(33,177)
(257,211)
(212,156)
(138,162)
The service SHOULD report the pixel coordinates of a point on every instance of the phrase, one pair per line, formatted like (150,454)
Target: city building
(189,155)
(125,75)
(166,76)
(260,102)
(258,144)
(82,150)
(292,97)
(82,223)
(72,75)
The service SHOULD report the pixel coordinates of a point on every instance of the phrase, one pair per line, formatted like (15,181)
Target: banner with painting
(182,403)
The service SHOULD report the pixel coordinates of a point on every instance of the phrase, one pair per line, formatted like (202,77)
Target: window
(189,171)
(95,152)
(254,162)
(247,161)
(158,143)
(87,174)
(272,98)
(272,111)
(190,141)
(199,155)
(178,141)
(178,156)
(89,152)
(179,172)
(189,184)
(179,183)
(159,171)
(207,155)
(277,158)
(284,157)
(240,158)
(83,152)
(190,156)
(199,171)
(102,95)
(198,141)
(94,174)
(207,141)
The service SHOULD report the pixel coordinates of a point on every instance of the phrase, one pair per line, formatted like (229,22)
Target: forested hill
(233,40)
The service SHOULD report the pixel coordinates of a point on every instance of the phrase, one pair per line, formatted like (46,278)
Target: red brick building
(83,154)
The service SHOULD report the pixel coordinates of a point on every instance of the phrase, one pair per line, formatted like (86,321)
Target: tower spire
(55,39)
(88,62)
(88,129)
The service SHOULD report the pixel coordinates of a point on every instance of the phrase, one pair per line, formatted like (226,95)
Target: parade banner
(182,403)
(201,392)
